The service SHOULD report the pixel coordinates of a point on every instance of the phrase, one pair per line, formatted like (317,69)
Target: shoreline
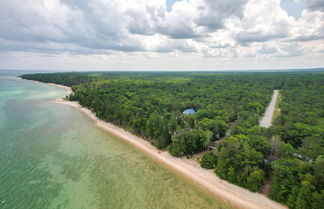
(68,90)
(229,194)
(206,179)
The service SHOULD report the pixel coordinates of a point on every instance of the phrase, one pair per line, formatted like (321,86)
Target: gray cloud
(89,25)
(315,5)
(291,50)
(20,22)
(178,30)
(105,25)
(268,50)
(209,16)
(100,27)
(214,12)
(308,38)
(249,37)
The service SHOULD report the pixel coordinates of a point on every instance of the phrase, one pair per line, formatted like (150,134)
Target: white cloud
(264,21)
(206,29)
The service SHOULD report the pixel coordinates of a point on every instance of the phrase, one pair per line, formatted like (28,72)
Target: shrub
(208,160)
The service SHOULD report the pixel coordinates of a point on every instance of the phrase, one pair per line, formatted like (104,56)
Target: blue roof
(189,112)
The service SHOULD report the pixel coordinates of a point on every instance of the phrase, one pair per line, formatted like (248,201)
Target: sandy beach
(206,179)
(68,89)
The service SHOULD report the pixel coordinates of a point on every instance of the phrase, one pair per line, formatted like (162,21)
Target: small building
(189,112)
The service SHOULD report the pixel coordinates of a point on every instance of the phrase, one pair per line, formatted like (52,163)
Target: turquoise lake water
(53,156)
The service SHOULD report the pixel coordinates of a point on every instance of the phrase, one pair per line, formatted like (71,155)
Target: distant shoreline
(206,179)
(68,89)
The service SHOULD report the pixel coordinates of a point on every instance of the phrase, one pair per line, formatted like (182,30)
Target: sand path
(266,120)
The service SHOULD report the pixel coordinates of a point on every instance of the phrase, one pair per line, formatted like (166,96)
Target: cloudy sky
(161,34)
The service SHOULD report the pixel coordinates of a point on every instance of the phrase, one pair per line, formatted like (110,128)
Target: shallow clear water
(53,156)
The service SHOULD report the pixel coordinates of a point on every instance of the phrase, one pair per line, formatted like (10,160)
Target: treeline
(228,109)
(66,79)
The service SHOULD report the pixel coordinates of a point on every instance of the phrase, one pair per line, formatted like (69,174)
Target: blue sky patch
(169,4)
(293,8)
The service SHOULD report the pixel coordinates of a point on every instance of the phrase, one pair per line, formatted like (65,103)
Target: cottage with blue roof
(189,112)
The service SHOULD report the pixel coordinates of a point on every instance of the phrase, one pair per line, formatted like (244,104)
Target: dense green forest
(289,155)
(299,171)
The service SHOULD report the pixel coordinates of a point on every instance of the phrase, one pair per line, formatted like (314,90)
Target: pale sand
(266,120)
(68,89)
(206,179)
(12,77)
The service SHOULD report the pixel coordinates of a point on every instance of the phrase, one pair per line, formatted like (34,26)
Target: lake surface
(53,156)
